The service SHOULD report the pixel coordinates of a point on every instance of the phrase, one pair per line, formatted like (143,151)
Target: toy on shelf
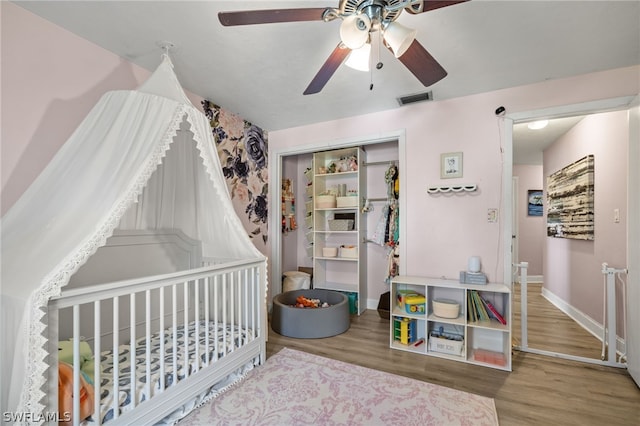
(405,330)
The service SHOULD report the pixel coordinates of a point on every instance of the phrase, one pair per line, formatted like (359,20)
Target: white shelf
(338,259)
(347,274)
(489,340)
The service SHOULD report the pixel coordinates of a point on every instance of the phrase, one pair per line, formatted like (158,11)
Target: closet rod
(376,163)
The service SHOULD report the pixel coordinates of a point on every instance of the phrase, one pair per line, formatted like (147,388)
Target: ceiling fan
(360,19)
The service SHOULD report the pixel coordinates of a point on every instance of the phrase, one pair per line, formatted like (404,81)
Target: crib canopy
(141,159)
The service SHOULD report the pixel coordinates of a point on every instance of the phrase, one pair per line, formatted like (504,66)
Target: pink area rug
(296,388)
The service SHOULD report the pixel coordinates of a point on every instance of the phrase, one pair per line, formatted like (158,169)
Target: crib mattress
(222,340)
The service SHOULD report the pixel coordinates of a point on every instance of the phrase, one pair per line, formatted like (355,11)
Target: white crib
(189,333)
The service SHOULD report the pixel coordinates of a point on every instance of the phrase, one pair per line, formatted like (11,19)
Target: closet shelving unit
(486,343)
(345,273)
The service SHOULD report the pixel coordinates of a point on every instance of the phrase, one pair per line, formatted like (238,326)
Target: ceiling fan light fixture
(359,58)
(354,30)
(399,38)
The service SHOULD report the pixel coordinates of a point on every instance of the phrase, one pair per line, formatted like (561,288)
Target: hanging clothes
(388,228)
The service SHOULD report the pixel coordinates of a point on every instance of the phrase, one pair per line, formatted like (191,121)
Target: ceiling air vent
(419,97)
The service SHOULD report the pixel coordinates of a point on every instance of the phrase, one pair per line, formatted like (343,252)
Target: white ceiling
(528,144)
(260,71)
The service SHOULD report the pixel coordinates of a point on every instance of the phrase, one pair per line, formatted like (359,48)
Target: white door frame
(633,254)
(515,257)
(632,331)
(275,175)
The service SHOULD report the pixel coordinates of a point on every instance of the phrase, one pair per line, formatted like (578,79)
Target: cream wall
(443,231)
(572,268)
(531,229)
(51,79)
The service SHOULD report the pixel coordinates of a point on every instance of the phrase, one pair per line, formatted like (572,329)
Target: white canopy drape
(149,146)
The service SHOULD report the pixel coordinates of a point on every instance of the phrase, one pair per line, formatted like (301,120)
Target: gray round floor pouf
(310,323)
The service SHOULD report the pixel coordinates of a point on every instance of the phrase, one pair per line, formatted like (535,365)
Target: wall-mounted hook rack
(461,188)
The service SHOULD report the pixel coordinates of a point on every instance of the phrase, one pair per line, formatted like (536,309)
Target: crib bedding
(223,339)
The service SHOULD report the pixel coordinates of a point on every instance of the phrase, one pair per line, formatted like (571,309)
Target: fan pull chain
(379,64)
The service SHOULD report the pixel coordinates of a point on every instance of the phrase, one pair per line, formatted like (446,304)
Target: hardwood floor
(539,391)
(550,329)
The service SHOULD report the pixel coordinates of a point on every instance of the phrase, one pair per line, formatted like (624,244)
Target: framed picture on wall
(451,165)
(534,202)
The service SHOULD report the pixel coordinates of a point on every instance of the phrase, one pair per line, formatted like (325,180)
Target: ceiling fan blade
(249,17)
(328,68)
(422,64)
(427,5)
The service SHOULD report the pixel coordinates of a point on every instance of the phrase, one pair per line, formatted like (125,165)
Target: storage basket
(350,252)
(452,346)
(326,202)
(329,251)
(347,201)
(445,308)
(340,225)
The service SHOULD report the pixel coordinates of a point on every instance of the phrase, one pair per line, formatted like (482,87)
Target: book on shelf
(495,312)
(473,311)
(482,312)
(480,309)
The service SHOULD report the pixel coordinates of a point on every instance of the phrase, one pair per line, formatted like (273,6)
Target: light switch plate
(492,215)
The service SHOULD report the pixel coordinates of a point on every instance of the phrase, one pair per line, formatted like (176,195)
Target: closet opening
(292,248)
(568,312)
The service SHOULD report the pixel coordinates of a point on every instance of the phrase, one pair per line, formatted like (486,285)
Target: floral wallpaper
(242,148)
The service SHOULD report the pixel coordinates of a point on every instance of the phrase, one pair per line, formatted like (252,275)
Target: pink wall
(446,230)
(51,78)
(531,229)
(572,267)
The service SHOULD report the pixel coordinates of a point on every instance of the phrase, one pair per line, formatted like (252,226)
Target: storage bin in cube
(415,304)
(402,295)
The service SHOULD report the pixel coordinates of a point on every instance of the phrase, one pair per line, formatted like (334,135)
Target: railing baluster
(224,314)
(255,312)
(207,320)
(162,337)
(247,307)
(216,307)
(132,349)
(196,364)
(116,356)
(76,364)
(175,335)
(96,362)
(148,341)
(185,361)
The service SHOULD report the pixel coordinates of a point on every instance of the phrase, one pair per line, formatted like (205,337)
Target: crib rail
(229,296)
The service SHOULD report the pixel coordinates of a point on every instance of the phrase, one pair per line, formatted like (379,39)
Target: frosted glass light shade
(359,58)
(354,30)
(399,38)
(537,125)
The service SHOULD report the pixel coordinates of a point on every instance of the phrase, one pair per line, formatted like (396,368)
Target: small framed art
(451,165)
(534,202)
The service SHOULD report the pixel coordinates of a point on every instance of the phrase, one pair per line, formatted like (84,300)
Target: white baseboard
(592,326)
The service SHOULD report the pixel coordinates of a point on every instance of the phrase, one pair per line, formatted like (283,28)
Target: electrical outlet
(616,215)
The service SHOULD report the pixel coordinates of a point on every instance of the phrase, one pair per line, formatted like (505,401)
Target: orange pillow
(65,395)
